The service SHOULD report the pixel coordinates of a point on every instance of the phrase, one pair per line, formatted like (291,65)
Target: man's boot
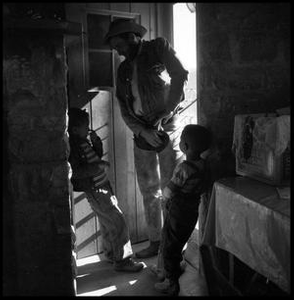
(150,251)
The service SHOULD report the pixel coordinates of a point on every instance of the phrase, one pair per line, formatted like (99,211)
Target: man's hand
(160,117)
(167,118)
(152,137)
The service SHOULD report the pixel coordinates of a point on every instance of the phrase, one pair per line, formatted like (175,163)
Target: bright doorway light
(184,28)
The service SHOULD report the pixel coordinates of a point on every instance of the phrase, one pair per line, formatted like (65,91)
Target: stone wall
(243,66)
(37,194)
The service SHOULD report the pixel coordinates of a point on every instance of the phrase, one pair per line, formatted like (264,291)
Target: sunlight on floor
(89,260)
(104,291)
(96,277)
(100,292)
(83,275)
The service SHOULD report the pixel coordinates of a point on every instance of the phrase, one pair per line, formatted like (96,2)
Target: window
(99,55)
(100,58)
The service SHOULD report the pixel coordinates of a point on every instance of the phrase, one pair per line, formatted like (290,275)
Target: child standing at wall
(182,198)
(89,175)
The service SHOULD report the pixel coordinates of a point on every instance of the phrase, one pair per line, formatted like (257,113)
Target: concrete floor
(96,276)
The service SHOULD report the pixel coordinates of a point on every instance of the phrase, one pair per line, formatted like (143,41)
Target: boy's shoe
(159,273)
(171,288)
(128,265)
(150,251)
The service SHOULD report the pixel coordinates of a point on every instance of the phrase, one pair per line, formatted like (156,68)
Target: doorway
(184,40)
(92,64)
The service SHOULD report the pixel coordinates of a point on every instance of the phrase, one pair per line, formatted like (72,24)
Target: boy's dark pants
(180,221)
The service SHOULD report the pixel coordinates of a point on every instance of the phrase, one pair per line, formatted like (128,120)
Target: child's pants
(180,221)
(114,230)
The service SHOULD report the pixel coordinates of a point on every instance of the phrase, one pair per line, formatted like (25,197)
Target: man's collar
(138,52)
(139,48)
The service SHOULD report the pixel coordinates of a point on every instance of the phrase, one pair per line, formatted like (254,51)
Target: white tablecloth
(248,219)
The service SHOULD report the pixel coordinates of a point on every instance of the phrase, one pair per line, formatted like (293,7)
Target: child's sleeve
(80,169)
(175,184)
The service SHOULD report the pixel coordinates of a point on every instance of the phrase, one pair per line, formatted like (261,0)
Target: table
(248,219)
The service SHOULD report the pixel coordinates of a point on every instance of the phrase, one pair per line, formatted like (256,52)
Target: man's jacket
(158,97)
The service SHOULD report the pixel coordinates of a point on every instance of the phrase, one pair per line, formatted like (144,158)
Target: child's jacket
(84,158)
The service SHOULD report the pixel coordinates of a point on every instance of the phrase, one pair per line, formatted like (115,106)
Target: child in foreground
(181,199)
(89,176)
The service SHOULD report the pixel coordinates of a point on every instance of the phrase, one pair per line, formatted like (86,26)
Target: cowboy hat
(120,26)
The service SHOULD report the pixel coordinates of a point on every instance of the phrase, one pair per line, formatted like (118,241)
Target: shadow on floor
(104,281)
(97,278)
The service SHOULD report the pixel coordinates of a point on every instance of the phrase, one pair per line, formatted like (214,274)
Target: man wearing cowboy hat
(149,106)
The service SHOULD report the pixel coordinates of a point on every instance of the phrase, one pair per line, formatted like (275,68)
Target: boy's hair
(197,137)
(76,117)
